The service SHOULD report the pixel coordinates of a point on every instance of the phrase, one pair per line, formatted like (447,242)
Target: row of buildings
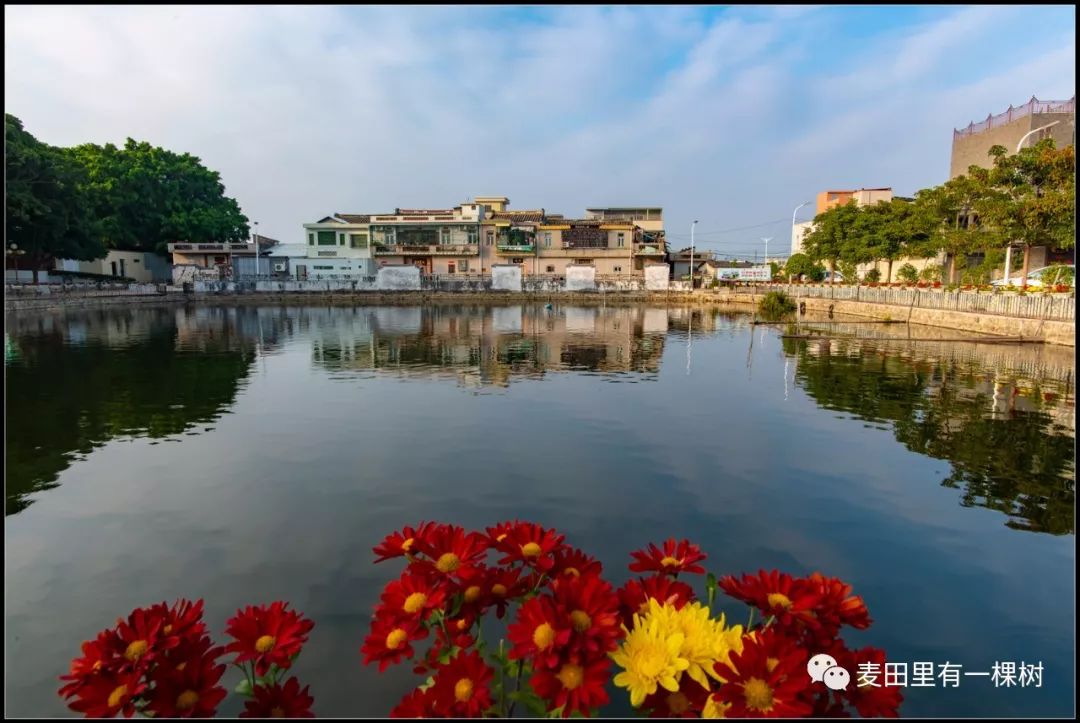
(1016,127)
(467,239)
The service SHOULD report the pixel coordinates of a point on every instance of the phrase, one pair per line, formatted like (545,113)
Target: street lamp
(804,203)
(1029,133)
(692,226)
(15,252)
(767,240)
(256,251)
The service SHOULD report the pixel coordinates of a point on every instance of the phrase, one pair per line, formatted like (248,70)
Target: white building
(338,246)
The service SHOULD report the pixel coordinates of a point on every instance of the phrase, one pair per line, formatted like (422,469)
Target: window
(618,269)
(444,235)
(582,261)
(311,239)
(463,266)
(323,268)
(114,268)
(359,240)
(490,238)
(621,240)
(551,269)
(833,196)
(326,238)
(547,239)
(450,267)
(341,239)
(517,261)
(473,234)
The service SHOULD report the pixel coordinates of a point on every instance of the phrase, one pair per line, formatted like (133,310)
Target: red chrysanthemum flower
(106,694)
(527,542)
(539,633)
(882,701)
(416,704)
(391,640)
(456,631)
(682,556)
(138,639)
(593,610)
(461,686)
(687,702)
(503,585)
(411,596)
(838,606)
(99,656)
(182,620)
(790,600)
(267,635)
(574,562)
(767,680)
(189,690)
(401,544)
(451,551)
(634,596)
(575,686)
(279,701)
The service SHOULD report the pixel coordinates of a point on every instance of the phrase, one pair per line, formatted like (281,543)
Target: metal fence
(1031,306)
(1032,106)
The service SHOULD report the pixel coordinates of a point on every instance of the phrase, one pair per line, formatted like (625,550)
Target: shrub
(932,272)
(775,305)
(1059,275)
(873,275)
(907,273)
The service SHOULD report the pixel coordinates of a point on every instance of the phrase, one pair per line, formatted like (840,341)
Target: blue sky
(730,115)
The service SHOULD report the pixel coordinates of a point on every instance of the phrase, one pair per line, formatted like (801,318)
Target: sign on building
(748,273)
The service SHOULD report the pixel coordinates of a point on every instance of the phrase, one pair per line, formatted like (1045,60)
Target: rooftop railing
(1032,107)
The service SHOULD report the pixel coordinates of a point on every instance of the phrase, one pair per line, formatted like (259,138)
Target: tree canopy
(79,202)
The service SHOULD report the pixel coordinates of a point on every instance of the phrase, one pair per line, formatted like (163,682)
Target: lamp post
(256,251)
(15,252)
(692,226)
(767,240)
(804,203)
(1029,133)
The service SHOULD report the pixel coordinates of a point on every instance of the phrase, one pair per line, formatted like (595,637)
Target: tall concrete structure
(971,145)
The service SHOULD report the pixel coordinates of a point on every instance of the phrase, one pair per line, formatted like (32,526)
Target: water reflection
(1003,416)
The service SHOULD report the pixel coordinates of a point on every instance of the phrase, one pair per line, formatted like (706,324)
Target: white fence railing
(1031,305)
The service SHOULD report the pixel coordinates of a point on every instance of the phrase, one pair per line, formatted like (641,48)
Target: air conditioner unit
(280,267)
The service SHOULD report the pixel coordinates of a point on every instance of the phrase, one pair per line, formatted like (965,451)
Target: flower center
(771,663)
(572,571)
(499,589)
(117,696)
(530,549)
(97,666)
(136,650)
(571,676)
(182,665)
(677,703)
(581,620)
(396,637)
(414,603)
(168,629)
(472,593)
(779,600)
(501,537)
(407,545)
(463,690)
(670,561)
(759,695)
(651,661)
(277,712)
(265,644)
(447,562)
(186,700)
(543,636)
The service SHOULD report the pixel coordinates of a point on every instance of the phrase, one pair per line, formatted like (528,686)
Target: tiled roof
(354,217)
(533,216)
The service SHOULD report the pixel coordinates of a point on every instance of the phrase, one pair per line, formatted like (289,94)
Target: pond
(245,454)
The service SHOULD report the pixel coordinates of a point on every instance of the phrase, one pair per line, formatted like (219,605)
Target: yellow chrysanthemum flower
(649,656)
(714,709)
(705,641)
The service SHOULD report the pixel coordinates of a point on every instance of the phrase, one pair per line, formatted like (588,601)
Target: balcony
(427,250)
(648,250)
(515,249)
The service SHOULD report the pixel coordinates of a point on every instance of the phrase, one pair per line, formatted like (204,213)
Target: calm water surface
(251,454)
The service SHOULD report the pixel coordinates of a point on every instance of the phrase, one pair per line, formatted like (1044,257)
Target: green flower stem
(517,687)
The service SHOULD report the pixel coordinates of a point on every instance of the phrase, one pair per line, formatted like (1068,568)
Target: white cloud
(307,110)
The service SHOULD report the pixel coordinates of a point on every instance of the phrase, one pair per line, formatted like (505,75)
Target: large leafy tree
(833,235)
(800,265)
(49,215)
(1031,197)
(950,212)
(147,197)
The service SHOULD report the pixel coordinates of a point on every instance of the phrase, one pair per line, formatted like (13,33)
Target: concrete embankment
(1049,331)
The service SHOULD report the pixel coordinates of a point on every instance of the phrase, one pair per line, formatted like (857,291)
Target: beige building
(141,266)
(1047,118)
(439,241)
(831,199)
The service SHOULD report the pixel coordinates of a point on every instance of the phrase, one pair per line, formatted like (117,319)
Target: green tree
(831,239)
(48,213)
(949,211)
(147,196)
(799,265)
(1031,200)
